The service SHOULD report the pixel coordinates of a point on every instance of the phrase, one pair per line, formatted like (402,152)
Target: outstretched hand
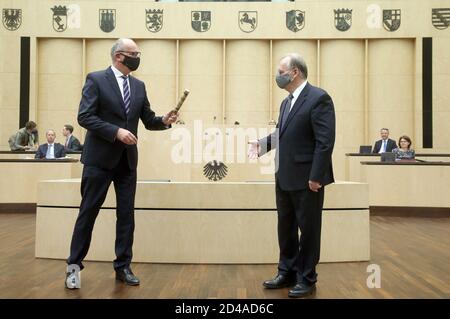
(170,117)
(253,150)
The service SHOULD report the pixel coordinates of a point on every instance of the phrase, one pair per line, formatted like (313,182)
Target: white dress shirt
(50,151)
(297,93)
(120,80)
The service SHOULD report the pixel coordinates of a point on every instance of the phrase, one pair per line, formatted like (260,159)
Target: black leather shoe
(280,281)
(301,290)
(127,276)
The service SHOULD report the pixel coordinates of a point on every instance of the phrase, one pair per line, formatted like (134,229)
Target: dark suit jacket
(305,142)
(102,113)
(389,146)
(59,150)
(73,144)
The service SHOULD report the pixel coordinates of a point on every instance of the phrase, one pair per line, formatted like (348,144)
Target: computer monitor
(388,157)
(365,149)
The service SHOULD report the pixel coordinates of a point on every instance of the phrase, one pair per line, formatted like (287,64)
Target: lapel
(282,110)
(297,105)
(115,86)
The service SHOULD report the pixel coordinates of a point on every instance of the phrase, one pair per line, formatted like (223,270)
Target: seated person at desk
(24,139)
(385,144)
(72,143)
(404,152)
(50,149)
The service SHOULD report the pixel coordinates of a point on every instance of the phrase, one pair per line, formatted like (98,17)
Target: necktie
(126,94)
(49,152)
(384,146)
(286,111)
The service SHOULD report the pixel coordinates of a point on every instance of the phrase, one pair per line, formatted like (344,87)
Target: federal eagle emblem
(215,171)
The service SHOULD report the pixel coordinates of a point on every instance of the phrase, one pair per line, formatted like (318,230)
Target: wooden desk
(407,184)
(18,183)
(353,160)
(201,222)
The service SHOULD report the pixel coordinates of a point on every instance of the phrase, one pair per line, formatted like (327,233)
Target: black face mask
(131,62)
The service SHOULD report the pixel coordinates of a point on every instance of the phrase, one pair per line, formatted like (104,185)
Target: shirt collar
(116,72)
(299,90)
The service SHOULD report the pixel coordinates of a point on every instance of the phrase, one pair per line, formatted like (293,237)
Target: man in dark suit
(111,105)
(304,141)
(385,144)
(50,150)
(72,143)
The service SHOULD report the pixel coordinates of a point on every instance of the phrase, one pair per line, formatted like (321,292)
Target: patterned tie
(287,109)
(126,94)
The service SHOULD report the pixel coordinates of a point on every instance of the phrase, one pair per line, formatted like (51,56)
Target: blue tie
(126,94)
(384,146)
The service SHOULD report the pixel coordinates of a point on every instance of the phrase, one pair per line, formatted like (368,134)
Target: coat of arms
(12,19)
(295,20)
(248,20)
(215,171)
(107,19)
(59,18)
(201,20)
(343,19)
(440,17)
(154,20)
(391,19)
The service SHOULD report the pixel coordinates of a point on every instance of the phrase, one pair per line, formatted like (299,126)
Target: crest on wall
(215,170)
(201,20)
(154,20)
(440,17)
(248,20)
(59,18)
(107,19)
(295,20)
(12,19)
(391,19)
(343,19)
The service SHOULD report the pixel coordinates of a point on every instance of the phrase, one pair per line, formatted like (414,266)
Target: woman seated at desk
(404,151)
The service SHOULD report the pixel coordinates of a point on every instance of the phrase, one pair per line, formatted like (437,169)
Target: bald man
(111,105)
(304,140)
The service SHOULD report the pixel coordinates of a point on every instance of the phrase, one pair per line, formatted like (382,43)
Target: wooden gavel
(181,101)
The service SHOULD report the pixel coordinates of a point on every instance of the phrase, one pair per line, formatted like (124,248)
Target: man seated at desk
(50,150)
(404,151)
(72,143)
(385,144)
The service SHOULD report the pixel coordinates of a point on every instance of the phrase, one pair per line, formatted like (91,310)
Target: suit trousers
(301,209)
(94,187)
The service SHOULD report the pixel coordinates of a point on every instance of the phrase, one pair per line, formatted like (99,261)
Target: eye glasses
(133,54)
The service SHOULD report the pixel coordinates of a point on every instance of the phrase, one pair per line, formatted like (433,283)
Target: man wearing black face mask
(304,140)
(111,105)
